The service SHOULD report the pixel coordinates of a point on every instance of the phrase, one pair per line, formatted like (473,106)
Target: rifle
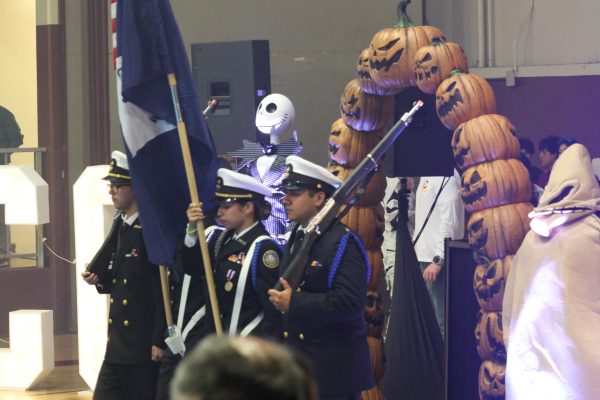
(345,194)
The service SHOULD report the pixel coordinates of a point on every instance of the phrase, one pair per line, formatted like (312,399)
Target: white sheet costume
(551,309)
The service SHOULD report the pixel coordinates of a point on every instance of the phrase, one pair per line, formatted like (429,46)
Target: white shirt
(446,220)
(131,219)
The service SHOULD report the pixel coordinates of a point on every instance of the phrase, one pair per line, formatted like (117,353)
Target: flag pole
(191,179)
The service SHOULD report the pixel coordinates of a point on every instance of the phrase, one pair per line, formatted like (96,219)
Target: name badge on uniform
(233,258)
(315,264)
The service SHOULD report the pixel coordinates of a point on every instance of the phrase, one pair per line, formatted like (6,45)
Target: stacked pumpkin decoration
(383,69)
(496,191)
(495,185)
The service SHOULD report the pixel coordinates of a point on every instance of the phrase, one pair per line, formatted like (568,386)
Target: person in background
(565,142)
(548,153)
(439,215)
(243,368)
(136,319)
(527,151)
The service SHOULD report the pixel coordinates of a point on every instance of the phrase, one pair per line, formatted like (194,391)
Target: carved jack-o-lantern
(495,183)
(365,112)
(364,77)
(435,62)
(488,336)
(348,147)
(498,232)
(489,282)
(373,192)
(486,138)
(492,380)
(463,97)
(368,223)
(374,314)
(392,52)
(376,264)
(433,32)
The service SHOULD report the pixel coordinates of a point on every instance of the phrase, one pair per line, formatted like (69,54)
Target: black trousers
(165,375)
(126,382)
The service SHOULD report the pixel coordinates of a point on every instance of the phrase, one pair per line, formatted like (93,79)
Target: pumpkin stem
(405,20)
(456,72)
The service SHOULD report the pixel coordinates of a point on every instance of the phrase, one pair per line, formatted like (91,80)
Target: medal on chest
(229,284)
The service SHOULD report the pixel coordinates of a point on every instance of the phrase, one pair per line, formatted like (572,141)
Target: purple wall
(562,106)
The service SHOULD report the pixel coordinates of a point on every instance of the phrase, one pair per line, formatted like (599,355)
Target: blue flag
(149,47)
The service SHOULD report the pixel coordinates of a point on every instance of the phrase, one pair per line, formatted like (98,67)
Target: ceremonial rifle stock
(326,216)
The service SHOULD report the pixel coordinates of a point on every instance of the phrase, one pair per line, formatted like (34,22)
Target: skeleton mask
(275,115)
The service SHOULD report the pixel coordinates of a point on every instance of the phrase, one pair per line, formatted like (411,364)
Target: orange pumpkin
(364,77)
(373,192)
(374,316)
(365,112)
(495,183)
(488,336)
(432,32)
(485,138)
(498,232)
(377,357)
(492,380)
(463,97)
(392,52)
(348,147)
(376,263)
(489,281)
(374,393)
(435,62)
(367,222)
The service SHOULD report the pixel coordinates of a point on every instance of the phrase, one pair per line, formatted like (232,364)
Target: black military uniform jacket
(136,319)
(228,257)
(325,318)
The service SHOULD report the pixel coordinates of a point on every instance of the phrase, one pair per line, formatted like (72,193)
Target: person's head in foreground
(236,368)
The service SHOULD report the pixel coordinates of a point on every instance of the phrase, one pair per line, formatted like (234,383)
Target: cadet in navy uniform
(136,321)
(323,318)
(245,259)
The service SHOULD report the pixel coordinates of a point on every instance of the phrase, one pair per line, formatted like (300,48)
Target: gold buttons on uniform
(125,302)
(299,290)
(301,336)
(125,281)
(110,320)
(114,280)
(126,323)
(285,334)
(112,300)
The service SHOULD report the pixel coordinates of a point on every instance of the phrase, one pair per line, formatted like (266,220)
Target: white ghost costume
(551,308)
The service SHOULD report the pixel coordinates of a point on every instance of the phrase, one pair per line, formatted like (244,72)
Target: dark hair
(527,145)
(567,141)
(262,208)
(242,368)
(550,144)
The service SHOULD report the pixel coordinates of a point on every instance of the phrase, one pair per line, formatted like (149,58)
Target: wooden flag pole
(191,179)
(164,285)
